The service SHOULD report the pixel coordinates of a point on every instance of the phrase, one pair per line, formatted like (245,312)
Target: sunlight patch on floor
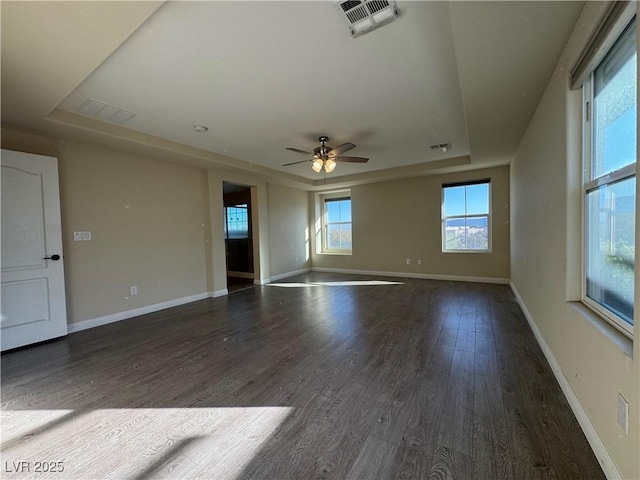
(135,442)
(333,284)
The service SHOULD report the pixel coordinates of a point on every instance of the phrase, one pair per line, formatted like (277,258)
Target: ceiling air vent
(441,146)
(104,111)
(362,16)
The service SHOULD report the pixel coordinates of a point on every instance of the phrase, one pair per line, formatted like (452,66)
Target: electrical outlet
(408,261)
(623,413)
(81,236)
(134,289)
(419,261)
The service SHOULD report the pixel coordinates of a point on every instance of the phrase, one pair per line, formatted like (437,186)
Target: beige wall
(157,225)
(288,229)
(545,263)
(396,220)
(147,221)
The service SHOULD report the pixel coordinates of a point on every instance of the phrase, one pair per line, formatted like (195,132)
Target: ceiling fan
(325,157)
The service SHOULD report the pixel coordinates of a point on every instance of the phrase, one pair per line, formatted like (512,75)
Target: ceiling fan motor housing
(322,151)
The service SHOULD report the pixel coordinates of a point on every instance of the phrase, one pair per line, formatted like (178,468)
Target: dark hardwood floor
(235,284)
(332,377)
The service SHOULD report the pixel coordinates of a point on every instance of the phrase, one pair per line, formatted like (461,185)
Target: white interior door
(31,266)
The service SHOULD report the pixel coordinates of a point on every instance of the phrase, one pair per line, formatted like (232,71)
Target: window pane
(333,236)
(339,236)
(614,107)
(333,211)
(454,201)
(345,210)
(611,247)
(477,233)
(470,204)
(470,233)
(338,227)
(478,199)
(345,235)
(338,210)
(454,234)
(237,221)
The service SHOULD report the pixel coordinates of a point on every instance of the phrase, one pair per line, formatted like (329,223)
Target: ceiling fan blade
(301,161)
(345,147)
(351,159)
(297,150)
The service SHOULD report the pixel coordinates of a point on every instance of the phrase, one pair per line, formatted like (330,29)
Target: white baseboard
(599,449)
(425,276)
(219,293)
(116,317)
(280,276)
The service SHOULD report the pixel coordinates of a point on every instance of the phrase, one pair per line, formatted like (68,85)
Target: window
(236,221)
(337,224)
(465,217)
(610,183)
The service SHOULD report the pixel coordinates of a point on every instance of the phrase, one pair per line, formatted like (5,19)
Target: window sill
(335,253)
(618,338)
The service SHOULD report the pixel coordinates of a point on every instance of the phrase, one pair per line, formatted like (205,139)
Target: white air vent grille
(104,111)
(363,16)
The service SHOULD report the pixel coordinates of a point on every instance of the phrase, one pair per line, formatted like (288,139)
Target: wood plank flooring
(325,376)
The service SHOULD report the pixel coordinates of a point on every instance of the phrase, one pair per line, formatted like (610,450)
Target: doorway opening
(238,236)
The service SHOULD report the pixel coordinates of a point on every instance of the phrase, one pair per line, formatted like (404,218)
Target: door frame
(217,273)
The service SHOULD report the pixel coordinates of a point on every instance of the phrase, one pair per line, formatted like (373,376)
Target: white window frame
(345,195)
(445,218)
(589,185)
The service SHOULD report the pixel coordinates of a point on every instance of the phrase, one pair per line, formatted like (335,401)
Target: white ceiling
(266,75)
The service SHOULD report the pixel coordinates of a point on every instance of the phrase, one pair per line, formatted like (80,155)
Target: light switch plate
(623,413)
(81,236)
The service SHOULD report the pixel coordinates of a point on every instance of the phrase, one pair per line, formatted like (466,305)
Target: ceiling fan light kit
(316,166)
(325,157)
(329,165)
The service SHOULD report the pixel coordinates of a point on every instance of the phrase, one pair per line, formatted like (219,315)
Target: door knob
(53,257)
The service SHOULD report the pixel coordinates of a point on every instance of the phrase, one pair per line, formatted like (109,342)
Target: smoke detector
(362,16)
